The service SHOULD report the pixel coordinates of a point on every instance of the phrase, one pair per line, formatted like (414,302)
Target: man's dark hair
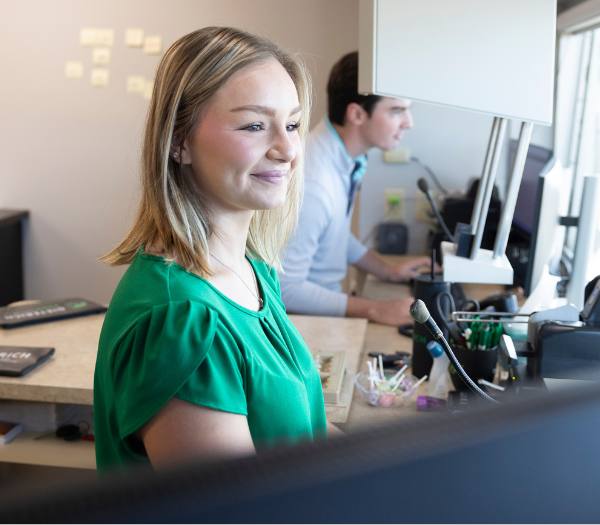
(342,89)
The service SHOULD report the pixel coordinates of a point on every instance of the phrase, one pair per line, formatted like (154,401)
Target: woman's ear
(181,153)
(355,114)
(185,153)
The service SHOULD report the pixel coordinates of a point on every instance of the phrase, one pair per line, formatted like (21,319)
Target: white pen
(396,384)
(398,373)
(371,382)
(416,385)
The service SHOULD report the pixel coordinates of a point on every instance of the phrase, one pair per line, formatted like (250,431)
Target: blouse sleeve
(169,348)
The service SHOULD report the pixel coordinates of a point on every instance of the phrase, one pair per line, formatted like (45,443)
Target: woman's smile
(271,177)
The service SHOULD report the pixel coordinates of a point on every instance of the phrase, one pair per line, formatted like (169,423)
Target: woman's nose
(284,147)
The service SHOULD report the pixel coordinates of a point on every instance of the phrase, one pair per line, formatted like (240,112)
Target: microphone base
(483,269)
(426,289)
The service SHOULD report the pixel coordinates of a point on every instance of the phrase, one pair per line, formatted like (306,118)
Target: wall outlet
(423,213)
(393,209)
(397,156)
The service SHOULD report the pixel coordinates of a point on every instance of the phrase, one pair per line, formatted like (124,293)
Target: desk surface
(68,377)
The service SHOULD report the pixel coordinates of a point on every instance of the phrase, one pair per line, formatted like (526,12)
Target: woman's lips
(270,176)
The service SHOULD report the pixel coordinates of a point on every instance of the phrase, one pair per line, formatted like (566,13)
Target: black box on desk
(11,255)
(392,238)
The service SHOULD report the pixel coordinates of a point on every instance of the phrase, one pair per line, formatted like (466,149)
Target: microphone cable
(432,175)
(424,188)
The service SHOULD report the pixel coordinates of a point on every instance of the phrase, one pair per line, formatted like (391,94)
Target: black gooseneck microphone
(424,187)
(420,314)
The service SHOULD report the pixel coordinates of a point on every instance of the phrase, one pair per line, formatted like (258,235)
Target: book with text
(18,360)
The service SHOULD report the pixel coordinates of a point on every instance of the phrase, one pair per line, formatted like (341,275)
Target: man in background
(316,259)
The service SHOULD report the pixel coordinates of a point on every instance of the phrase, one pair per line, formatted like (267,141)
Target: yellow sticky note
(99,77)
(73,69)
(101,56)
(134,37)
(87,36)
(153,45)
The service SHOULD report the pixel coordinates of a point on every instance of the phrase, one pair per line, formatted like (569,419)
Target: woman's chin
(270,206)
(270,202)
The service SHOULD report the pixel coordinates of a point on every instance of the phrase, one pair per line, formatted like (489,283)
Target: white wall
(70,151)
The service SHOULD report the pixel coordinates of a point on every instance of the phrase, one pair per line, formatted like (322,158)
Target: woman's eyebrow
(256,108)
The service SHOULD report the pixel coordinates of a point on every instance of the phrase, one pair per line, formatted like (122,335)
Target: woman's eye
(258,126)
(293,127)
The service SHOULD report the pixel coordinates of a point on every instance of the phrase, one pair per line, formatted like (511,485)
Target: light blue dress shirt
(317,257)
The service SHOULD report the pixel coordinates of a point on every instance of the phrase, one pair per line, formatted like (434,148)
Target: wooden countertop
(68,377)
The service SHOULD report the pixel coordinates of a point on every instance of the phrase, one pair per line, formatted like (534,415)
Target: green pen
(498,334)
(473,336)
(484,339)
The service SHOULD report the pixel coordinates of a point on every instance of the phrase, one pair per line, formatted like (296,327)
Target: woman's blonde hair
(172,212)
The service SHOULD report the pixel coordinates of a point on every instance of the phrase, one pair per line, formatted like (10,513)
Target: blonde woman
(197,358)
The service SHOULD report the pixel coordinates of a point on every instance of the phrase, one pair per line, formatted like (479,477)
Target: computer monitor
(536,163)
(548,236)
(542,201)
(531,460)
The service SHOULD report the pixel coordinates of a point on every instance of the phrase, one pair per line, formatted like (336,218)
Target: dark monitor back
(531,461)
(527,204)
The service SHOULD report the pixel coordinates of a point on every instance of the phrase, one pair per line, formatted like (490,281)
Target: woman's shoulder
(153,279)
(154,288)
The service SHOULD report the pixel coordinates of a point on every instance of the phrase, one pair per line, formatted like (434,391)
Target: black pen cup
(478,364)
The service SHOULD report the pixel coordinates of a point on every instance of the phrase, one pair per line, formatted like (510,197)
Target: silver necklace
(255,294)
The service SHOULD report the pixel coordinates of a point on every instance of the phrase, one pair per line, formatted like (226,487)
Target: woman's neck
(228,242)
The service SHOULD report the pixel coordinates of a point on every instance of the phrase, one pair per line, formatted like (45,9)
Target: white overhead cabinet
(491,56)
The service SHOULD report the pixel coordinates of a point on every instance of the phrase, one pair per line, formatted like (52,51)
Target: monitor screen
(525,209)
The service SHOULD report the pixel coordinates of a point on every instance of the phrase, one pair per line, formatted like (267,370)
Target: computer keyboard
(43,312)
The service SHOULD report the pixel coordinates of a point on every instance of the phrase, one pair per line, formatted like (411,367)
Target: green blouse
(169,333)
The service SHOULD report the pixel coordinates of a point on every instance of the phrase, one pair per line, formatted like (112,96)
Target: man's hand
(392,313)
(374,264)
(405,271)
